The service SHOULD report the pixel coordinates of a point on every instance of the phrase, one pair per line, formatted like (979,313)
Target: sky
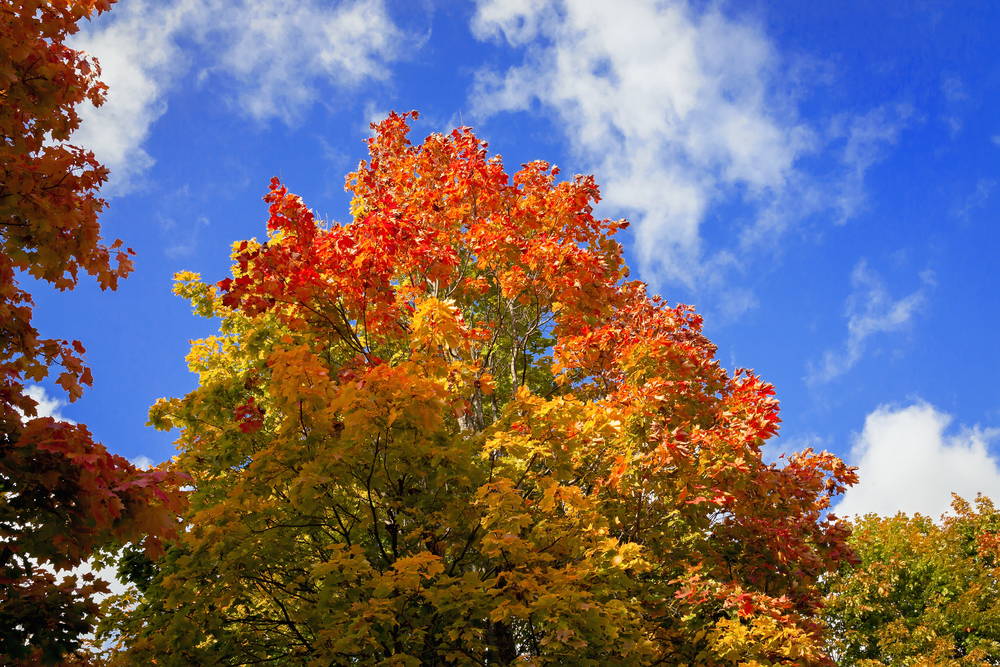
(820,180)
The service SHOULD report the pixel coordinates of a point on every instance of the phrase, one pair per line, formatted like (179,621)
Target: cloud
(866,140)
(975,201)
(143,462)
(139,60)
(785,444)
(182,244)
(272,59)
(280,53)
(870,311)
(953,90)
(677,111)
(954,96)
(48,406)
(735,302)
(673,109)
(372,114)
(908,463)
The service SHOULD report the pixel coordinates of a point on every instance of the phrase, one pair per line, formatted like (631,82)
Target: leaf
(450,431)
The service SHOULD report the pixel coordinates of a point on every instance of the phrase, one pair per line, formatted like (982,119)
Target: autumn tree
(62,496)
(453,432)
(925,593)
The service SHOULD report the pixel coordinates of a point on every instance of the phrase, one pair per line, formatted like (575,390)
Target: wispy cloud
(908,463)
(183,243)
(272,60)
(139,61)
(976,200)
(870,311)
(954,96)
(372,114)
(867,138)
(680,109)
(953,90)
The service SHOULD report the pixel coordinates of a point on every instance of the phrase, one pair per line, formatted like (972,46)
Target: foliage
(61,495)
(925,592)
(452,432)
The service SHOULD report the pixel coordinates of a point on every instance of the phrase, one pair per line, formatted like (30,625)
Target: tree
(924,593)
(452,432)
(62,496)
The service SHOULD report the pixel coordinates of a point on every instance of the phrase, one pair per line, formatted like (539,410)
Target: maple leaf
(483,445)
(63,497)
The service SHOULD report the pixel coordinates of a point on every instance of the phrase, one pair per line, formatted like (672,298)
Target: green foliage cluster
(925,592)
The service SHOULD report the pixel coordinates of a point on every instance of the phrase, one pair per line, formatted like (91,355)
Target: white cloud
(678,110)
(273,59)
(671,108)
(48,406)
(908,463)
(734,302)
(139,61)
(143,462)
(785,444)
(870,311)
(279,52)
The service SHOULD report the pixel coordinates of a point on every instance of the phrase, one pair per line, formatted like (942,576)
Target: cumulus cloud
(908,462)
(272,59)
(677,110)
(870,311)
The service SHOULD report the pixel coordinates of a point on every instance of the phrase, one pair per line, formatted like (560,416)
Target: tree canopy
(452,431)
(925,592)
(62,496)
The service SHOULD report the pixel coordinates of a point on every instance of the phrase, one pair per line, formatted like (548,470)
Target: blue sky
(820,180)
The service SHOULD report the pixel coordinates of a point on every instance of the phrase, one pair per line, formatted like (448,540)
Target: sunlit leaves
(450,431)
(925,592)
(62,496)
